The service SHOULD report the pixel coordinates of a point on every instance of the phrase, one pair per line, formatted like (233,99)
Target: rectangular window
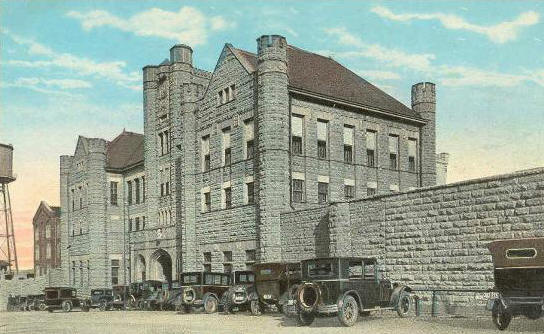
(349,191)
(298,190)
(232,92)
(88,272)
(250,192)
(412,149)
(228,198)
(227,267)
(143,189)
(129,192)
(322,192)
(166,145)
(251,255)
(370,148)
(227,256)
(322,135)
(130,224)
(81,273)
(249,136)
(113,193)
(205,145)
(137,190)
(73,272)
(80,198)
(220,98)
(137,221)
(348,144)
(73,200)
(226,147)
(207,257)
(161,142)
(296,134)
(167,190)
(207,202)
(114,272)
(143,222)
(162,189)
(393,152)
(371,188)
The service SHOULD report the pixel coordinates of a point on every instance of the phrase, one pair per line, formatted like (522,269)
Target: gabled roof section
(81,146)
(125,151)
(51,211)
(313,73)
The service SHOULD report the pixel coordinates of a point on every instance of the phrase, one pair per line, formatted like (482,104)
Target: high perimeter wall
(428,238)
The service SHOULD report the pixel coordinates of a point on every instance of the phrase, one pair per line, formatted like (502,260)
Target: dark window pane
(250,193)
(228,198)
(297,145)
(370,158)
(349,191)
(348,153)
(227,157)
(249,149)
(322,192)
(370,191)
(322,149)
(298,186)
(412,164)
(393,161)
(206,162)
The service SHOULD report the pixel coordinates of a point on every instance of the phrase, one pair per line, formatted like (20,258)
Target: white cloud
(60,83)
(423,63)
(188,25)
(379,75)
(112,70)
(499,33)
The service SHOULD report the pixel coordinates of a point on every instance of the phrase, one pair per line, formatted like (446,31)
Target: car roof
(349,258)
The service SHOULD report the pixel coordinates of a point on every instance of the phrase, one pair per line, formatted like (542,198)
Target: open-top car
(203,289)
(275,283)
(101,299)
(347,287)
(519,279)
(64,298)
(238,295)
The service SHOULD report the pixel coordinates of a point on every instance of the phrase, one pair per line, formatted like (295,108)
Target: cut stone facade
(46,227)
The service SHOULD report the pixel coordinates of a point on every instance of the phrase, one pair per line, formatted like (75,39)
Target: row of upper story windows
(226,196)
(226,95)
(250,259)
(79,196)
(136,224)
(136,190)
(48,251)
(298,144)
(82,279)
(39,234)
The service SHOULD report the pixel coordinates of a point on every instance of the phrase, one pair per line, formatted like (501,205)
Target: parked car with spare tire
(203,289)
(237,297)
(347,287)
(101,299)
(65,299)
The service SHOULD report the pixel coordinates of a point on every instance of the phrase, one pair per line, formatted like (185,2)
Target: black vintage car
(519,279)
(101,299)
(203,289)
(122,299)
(238,295)
(275,284)
(142,291)
(64,298)
(347,287)
(36,302)
(172,297)
(16,303)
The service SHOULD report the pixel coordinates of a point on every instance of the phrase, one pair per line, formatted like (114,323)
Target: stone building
(46,227)
(224,154)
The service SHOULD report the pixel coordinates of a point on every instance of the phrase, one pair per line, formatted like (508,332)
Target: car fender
(395,295)
(353,293)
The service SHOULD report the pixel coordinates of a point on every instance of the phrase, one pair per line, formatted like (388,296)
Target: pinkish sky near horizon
(72,68)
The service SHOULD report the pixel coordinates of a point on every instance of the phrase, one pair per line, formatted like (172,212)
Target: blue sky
(74,67)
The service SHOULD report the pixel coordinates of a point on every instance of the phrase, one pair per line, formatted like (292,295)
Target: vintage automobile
(275,284)
(519,280)
(122,299)
(172,297)
(101,299)
(64,298)
(141,291)
(36,302)
(238,295)
(347,287)
(16,303)
(203,289)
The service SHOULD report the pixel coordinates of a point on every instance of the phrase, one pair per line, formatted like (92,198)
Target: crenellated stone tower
(272,125)
(424,102)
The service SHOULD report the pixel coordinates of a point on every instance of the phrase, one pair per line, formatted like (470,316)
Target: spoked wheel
(66,306)
(349,312)
(210,304)
(305,318)
(501,317)
(404,305)
(103,306)
(42,307)
(256,308)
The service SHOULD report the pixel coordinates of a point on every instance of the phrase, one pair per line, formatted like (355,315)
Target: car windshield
(190,279)
(321,269)
(51,294)
(245,277)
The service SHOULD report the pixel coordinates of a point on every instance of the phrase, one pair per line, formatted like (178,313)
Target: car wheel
(66,306)
(50,310)
(103,306)
(349,312)
(404,304)
(210,304)
(141,305)
(42,307)
(305,319)
(501,317)
(534,313)
(255,308)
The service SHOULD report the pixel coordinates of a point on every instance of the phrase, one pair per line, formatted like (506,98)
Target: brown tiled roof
(125,151)
(324,76)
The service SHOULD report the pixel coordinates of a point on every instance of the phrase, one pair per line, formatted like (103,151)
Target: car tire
(348,312)
(42,307)
(256,308)
(50,310)
(501,317)
(534,313)
(305,318)
(210,304)
(66,306)
(404,305)
(103,306)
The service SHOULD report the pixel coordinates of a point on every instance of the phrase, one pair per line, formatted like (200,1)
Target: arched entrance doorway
(160,266)
(140,268)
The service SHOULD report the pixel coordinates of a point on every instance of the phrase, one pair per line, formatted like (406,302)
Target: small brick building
(46,226)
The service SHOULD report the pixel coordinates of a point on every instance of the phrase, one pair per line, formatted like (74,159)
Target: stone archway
(140,268)
(160,266)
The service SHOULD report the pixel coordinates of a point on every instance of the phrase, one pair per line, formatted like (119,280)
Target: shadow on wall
(322,237)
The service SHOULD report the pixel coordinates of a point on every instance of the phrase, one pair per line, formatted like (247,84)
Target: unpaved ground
(139,322)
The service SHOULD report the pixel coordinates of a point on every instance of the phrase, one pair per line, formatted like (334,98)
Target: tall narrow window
(137,190)
(322,135)
(114,272)
(161,142)
(80,197)
(232,92)
(248,135)
(349,188)
(297,134)
(73,200)
(129,192)
(371,148)
(143,222)
(88,272)
(206,201)
(166,142)
(143,189)
(412,149)
(220,98)
(137,221)
(113,193)
(322,192)
(130,224)
(250,188)
(348,144)
(228,197)
(73,272)
(227,261)
(393,151)
(298,190)
(205,153)
(226,147)
(81,273)
(207,261)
